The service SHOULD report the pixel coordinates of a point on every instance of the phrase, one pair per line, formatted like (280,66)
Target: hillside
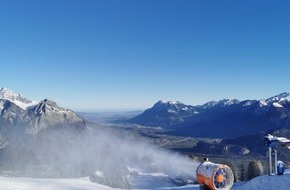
(219,119)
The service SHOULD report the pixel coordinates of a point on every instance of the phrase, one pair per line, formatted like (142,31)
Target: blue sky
(127,54)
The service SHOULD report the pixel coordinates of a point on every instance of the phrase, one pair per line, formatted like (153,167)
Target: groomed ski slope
(144,182)
(276,182)
(48,184)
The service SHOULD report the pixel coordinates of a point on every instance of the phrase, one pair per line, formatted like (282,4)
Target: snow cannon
(213,176)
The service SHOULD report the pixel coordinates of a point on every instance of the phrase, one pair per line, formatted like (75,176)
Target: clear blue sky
(128,54)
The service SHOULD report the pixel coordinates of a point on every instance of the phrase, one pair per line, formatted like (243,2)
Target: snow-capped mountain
(18,111)
(47,113)
(16,98)
(224,118)
(166,114)
(172,113)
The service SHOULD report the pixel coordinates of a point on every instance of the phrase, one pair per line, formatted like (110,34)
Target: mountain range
(219,119)
(31,117)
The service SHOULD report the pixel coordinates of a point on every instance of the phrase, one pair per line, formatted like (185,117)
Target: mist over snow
(109,157)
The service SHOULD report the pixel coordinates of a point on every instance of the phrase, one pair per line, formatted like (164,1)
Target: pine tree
(255,169)
(242,176)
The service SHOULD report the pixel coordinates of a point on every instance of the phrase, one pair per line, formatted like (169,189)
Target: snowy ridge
(168,102)
(16,98)
(276,101)
(172,106)
(224,102)
(283,97)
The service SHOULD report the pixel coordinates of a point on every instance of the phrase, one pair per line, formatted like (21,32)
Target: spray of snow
(109,157)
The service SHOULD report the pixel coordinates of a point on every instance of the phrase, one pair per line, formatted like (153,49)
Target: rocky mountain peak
(19,111)
(16,98)
(283,97)
(49,102)
(48,105)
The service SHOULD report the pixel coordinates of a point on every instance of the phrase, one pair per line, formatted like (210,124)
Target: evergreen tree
(255,169)
(242,174)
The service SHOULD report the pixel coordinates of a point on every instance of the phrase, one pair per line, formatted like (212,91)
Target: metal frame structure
(271,142)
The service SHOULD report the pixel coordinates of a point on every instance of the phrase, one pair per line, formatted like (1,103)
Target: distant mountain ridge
(31,116)
(224,118)
(172,113)
(165,114)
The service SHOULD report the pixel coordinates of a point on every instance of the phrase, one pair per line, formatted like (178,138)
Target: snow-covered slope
(267,183)
(49,184)
(146,182)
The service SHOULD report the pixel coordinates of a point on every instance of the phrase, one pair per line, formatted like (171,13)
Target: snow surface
(142,181)
(49,184)
(276,182)
(146,182)
(262,103)
(275,104)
